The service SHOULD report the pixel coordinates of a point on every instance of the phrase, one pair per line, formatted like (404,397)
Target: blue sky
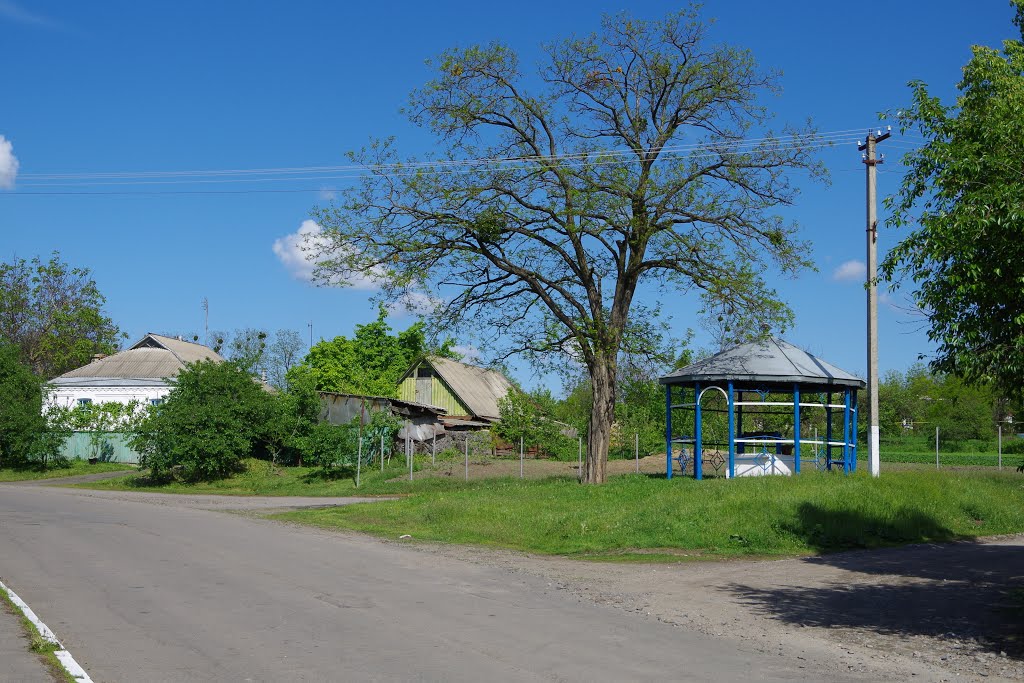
(91,88)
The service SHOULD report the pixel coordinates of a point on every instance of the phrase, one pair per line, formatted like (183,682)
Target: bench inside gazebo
(782,392)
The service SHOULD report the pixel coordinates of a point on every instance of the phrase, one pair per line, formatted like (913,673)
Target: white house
(143,373)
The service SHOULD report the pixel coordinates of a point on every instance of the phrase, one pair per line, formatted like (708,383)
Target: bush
(26,438)
(1013,446)
(215,416)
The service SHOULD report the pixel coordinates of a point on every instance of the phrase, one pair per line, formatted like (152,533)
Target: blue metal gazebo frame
(782,377)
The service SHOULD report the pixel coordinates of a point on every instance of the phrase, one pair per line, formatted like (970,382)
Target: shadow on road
(963,590)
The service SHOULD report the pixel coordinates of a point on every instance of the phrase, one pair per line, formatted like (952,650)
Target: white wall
(68,396)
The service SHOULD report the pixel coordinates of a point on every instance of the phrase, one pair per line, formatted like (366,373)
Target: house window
(156,401)
(84,401)
(425,371)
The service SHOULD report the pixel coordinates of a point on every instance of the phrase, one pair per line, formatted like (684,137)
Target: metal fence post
(359,461)
(579,470)
(636,450)
(1000,446)
(936,448)
(520,457)
(412,456)
(382,454)
(433,450)
(467,456)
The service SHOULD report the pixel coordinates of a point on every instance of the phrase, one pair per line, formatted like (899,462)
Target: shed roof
(153,356)
(479,388)
(765,362)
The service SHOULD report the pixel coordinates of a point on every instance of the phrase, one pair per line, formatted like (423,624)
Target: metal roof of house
(479,388)
(153,356)
(764,362)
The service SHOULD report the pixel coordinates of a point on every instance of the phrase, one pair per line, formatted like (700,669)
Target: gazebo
(780,390)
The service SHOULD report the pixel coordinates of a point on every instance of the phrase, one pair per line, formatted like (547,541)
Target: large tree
(370,363)
(963,194)
(53,313)
(637,156)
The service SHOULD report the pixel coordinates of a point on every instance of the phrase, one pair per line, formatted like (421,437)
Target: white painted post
(936,448)
(1000,446)
(520,457)
(433,450)
(467,457)
(412,455)
(636,450)
(359,461)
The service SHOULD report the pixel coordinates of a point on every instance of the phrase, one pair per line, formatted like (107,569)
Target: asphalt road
(150,588)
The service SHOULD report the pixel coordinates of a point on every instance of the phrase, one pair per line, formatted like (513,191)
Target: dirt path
(926,612)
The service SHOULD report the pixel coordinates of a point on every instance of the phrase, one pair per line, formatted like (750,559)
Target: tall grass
(810,513)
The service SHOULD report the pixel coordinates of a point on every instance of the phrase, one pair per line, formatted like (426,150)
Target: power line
(709,150)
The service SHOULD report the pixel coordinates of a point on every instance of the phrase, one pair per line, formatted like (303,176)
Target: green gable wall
(440,395)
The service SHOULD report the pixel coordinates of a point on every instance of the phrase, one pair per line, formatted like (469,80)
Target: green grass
(950,459)
(262,479)
(633,516)
(75,467)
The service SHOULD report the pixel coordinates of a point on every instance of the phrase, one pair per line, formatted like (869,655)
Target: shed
(768,377)
(465,392)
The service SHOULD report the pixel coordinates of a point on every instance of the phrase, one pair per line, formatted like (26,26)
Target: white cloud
(851,271)
(300,251)
(416,303)
(470,354)
(8,164)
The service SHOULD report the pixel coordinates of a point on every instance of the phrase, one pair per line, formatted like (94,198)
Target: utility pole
(870,159)
(206,320)
(310,326)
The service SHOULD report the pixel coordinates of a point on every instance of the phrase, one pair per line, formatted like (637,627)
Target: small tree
(215,415)
(26,438)
(54,314)
(524,417)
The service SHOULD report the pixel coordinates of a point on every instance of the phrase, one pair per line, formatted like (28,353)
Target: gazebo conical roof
(768,362)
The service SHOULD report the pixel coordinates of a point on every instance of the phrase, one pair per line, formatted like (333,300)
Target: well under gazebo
(765,407)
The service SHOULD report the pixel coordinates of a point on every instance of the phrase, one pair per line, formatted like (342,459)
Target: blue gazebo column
(828,431)
(796,428)
(698,449)
(732,435)
(668,431)
(846,433)
(853,465)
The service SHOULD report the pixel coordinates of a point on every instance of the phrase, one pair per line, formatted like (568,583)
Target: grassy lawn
(951,459)
(262,479)
(74,468)
(644,516)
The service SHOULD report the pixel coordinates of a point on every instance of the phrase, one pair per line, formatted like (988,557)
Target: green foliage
(330,447)
(525,416)
(215,415)
(53,314)
(963,195)
(1013,446)
(26,439)
(369,364)
(293,414)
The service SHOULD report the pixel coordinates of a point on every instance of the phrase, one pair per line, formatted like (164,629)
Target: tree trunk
(602,415)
